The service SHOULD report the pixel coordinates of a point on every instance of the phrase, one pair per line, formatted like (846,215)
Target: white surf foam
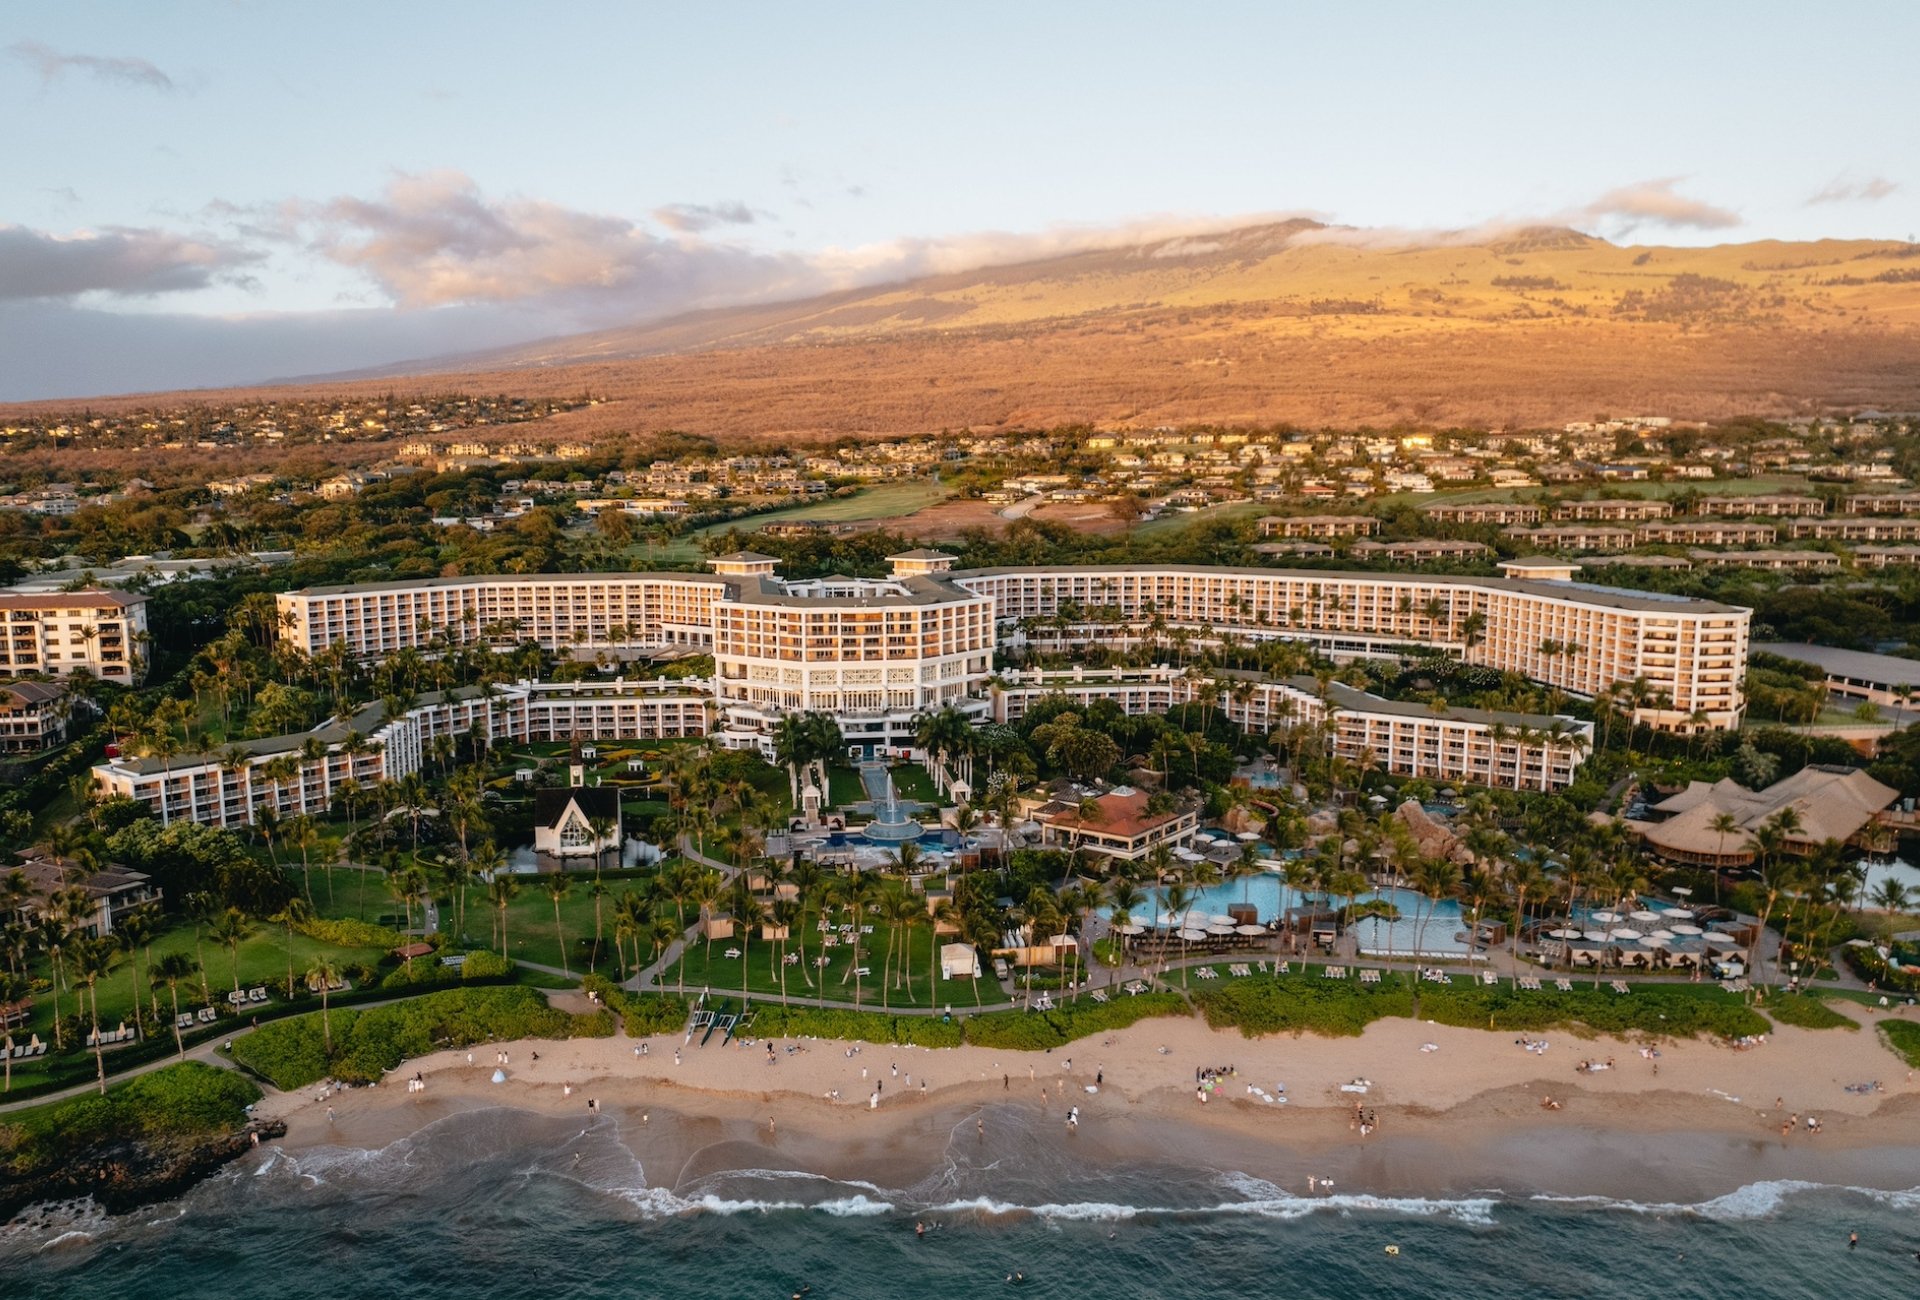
(1752,1201)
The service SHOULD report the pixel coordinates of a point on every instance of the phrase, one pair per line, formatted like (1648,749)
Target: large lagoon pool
(1425,928)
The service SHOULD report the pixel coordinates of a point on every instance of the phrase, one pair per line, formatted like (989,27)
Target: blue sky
(217,192)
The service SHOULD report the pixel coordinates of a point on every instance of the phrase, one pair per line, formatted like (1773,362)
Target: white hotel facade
(878,653)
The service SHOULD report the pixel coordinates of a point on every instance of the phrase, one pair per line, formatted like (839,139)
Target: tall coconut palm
(170,969)
(322,975)
(501,890)
(557,887)
(92,961)
(232,928)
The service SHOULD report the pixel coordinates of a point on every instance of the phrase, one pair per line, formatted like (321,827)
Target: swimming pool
(1432,924)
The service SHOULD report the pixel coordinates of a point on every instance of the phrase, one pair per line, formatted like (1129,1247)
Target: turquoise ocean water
(504,1204)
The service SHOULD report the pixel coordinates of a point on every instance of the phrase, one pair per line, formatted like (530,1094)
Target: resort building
(1784,506)
(1122,828)
(33,715)
(1574,537)
(1614,510)
(1817,561)
(1513,751)
(1424,551)
(110,891)
(1886,680)
(1503,513)
(1321,526)
(62,633)
(1883,503)
(1881,557)
(1832,803)
(1709,533)
(577,820)
(878,652)
(1857,530)
(304,772)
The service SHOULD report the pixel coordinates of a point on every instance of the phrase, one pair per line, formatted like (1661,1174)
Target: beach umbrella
(1608,918)
(1688,929)
(1682,891)
(1250,930)
(1662,933)
(1193,936)
(1130,928)
(1677,913)
(1643,916)
(1220,931)
(1247,837)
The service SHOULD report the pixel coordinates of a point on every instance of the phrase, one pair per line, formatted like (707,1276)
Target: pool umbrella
(1687,929)
(1563,933)
(1248,836)
(1193,936)
(1608,918)
(1677,913)
(1624,933)
(1660,934)
(1129,928)
(1250,930)
(1595,936)
(1220,931)
(1653,940)
(1724,941)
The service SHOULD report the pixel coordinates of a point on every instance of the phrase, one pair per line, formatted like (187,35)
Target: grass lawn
(757,963)
(262,960)
(1169,524)
(843,786)
(530,932)
(886,501)
(912,782)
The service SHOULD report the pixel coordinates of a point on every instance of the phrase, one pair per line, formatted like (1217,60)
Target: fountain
(890,824)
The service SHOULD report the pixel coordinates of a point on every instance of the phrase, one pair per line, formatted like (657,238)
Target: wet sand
(1463,1117)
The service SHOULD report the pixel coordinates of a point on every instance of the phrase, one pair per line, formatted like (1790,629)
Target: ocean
(508,1204)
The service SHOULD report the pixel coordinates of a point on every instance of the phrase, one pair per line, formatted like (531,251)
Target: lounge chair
(1621,986)
(1488,978)
(1564,985)
(1099,995)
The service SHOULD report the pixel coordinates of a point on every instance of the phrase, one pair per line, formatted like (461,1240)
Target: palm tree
(1890,896)
(1722,825)
(170,969)
(232,928)
(92,960)
(502,890)
(322,975)
(557,887)
(134,932)
(1523,876)
(297,911)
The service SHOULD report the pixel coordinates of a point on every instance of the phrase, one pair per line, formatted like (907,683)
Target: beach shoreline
(1454,1111)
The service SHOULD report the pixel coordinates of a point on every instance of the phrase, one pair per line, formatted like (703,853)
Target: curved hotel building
(875,652)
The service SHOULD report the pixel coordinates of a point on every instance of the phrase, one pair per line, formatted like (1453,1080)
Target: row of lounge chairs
(255,994)
(124,1034)
(30,1049)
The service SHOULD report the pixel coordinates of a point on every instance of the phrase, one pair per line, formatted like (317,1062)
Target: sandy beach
(1452,1109)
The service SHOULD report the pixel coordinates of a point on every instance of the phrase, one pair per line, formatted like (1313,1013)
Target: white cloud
(51,64)
(1657,201)
(1870,190)
(119,260)
(695,217)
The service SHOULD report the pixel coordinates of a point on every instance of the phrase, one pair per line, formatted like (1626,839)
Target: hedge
(349,933)
(1038,1030)
(1808,1012)
(366,1044)
(1267,1005)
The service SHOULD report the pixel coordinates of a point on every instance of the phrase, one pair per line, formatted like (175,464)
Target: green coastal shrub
(1903,1036)
(348,933)
(1039,1030)
(180,1100)
(482,964)
(366,1044)
(1338,1008)
(1808,1012)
